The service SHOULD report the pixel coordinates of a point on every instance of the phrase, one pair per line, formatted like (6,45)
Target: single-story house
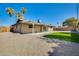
(30,27)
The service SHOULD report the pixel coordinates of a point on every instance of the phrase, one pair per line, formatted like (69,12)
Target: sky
(47,13)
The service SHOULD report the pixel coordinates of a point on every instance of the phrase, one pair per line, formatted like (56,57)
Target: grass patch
(72,37)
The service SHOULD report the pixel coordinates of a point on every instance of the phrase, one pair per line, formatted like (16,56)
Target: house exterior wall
(24,28)
(40,28)
(18,28)
(37,28)
(50,29)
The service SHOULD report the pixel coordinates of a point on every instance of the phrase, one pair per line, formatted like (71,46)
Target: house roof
(36,23)
(31,22)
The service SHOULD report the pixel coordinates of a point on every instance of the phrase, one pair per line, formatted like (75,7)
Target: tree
(78,24)
(70,22)
(19,15)
(23,10)
(10,12)
(38,21)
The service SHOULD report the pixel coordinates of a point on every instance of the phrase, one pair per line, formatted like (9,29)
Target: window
(50,26)
(30,26)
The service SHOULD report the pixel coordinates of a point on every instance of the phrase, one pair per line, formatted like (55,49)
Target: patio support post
(46,29)
(33,28)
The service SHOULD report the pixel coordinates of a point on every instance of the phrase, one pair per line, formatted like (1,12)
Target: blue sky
(52,13)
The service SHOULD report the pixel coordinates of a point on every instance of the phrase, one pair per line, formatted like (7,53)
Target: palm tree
(19,16)
(10,11)
(23,10)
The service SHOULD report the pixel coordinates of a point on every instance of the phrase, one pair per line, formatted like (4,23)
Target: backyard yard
(67,36)
(15,44)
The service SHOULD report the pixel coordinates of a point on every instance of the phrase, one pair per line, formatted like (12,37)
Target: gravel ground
(65,48)
(12,44)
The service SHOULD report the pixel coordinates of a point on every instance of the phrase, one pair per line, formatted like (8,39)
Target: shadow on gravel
(65,48)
